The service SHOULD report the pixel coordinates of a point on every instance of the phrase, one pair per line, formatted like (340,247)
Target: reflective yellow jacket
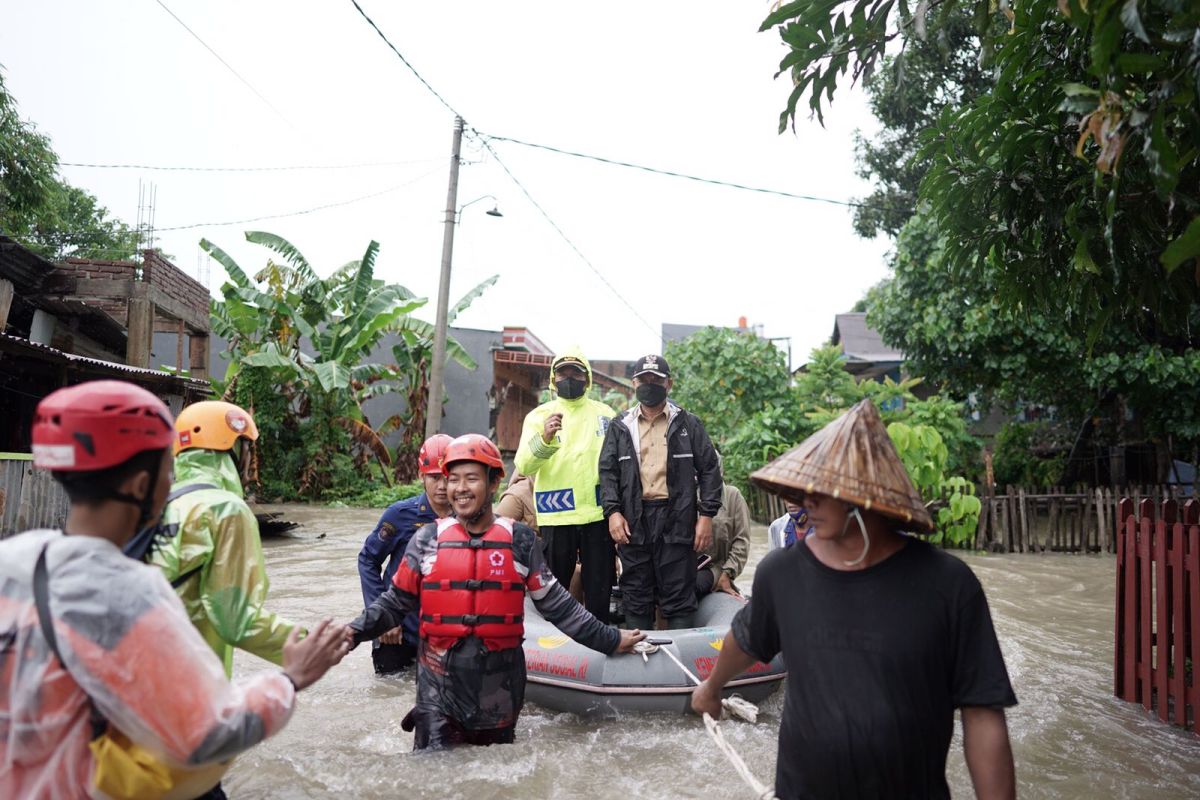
(566,471)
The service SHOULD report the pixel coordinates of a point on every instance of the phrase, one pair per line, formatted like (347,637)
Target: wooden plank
(1128,593)
(1179,629)
(1193,645)
(1119,641)
(1162,610)
(1145,603)
(1023,518)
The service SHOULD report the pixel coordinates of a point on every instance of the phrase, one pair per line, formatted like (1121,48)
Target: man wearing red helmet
(396,649)
(468,576)
(96,646)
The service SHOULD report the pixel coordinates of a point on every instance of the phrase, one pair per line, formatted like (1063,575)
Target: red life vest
(473,588)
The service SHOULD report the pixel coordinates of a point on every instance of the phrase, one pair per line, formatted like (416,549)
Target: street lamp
(494,211)
(433,406)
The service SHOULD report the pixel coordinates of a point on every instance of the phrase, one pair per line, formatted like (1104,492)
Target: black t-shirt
(878,659)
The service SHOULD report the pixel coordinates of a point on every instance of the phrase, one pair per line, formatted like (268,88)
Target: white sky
(681,86)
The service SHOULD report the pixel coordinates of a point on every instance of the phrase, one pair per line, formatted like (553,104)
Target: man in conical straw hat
(883,634)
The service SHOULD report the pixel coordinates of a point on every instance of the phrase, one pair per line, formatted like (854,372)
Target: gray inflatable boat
(566,676)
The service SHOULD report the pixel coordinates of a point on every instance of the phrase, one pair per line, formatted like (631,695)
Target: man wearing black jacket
(655,457)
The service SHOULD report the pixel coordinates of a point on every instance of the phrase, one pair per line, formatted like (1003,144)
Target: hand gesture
(618,528)
(305,661)
(394,636)
(629,639)
(551,428)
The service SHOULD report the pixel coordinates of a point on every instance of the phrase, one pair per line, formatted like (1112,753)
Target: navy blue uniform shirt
(387,544)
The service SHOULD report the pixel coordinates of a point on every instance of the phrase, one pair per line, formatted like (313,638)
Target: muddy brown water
(1053,613)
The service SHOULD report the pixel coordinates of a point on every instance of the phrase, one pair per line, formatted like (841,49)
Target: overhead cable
(282,168)
(685,176)
(226,64)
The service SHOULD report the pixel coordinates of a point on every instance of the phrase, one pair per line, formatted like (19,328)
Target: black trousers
(593,548)
(657,570)
(704,583)
(392,658)
(436,731)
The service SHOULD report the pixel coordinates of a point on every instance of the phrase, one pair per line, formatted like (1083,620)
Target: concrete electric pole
(433,409)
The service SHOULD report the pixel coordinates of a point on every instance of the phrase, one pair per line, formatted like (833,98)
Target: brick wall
(178,285)
(99,269)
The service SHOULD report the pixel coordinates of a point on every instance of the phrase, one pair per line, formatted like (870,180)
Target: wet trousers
(436,731)
(592,547)
(393,658)
(657,571)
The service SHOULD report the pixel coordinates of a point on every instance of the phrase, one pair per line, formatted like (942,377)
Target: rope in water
(736,706)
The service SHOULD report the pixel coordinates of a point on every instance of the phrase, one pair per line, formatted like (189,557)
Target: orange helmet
(473,447)
(429,460)
(213,425)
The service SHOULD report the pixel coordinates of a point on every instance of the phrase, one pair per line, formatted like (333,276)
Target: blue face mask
(799,517)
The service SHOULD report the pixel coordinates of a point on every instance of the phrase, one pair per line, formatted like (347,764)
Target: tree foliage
(726,376)
(1073,180)
(300,349)
(771,414)
(42,211)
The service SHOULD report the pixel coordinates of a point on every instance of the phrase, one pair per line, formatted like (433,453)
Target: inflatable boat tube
(563,675)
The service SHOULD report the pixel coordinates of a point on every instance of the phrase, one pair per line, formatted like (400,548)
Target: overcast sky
(684,86)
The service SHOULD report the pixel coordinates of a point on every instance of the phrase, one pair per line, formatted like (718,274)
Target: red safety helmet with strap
(473,447)
(429,460)
(98,425)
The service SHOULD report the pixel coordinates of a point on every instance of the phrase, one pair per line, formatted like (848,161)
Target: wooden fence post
(1125,662)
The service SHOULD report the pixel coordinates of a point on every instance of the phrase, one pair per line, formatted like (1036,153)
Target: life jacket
(473,588)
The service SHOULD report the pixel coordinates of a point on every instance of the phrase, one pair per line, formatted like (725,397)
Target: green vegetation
(300,349)
(740,388)
(41,210)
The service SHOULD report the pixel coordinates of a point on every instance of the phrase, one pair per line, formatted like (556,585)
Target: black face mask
(570,388)
(651,394)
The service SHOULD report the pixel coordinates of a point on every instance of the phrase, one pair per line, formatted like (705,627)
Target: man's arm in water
(988,753)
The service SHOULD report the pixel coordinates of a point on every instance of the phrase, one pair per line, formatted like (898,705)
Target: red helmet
(429,460)
(473,447)
(97,425)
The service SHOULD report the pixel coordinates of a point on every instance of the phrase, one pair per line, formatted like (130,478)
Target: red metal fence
(1158,608)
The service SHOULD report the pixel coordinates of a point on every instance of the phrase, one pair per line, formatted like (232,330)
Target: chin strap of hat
(857,515)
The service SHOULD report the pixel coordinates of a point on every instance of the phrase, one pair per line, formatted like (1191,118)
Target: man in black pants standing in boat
(655,457)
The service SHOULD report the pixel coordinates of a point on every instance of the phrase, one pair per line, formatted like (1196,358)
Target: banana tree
(314,338)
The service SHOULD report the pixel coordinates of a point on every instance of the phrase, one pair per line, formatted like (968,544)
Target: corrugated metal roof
(15,344)
(24,268)
(861,342)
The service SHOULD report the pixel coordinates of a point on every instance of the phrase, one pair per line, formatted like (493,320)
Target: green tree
(1073,179)
(300,346)
(43,212)
(725,377)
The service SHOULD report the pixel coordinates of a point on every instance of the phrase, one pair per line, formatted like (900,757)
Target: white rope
(714,730)
(736,706)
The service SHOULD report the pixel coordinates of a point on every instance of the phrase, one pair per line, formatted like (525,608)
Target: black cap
(656,364)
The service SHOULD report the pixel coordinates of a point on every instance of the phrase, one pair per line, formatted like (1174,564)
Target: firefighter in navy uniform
(384,548)
(467,577)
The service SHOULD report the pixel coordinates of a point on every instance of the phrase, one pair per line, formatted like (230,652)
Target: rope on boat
(736,706)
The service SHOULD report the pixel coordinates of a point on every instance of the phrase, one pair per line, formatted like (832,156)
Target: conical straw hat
(852,459)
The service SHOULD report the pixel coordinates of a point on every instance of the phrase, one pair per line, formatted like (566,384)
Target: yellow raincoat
(566,471)
(214,547)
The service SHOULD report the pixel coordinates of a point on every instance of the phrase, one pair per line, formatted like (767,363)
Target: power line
(298,213)
(284,168)
(511,176)
(685,176)
(217,55)
(405,61)
(567,239)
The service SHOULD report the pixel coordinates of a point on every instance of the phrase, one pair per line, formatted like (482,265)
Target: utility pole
(433,409)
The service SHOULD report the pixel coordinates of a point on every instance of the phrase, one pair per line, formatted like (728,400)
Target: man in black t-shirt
(884,636)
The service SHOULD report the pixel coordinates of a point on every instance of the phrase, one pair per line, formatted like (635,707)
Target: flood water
(1053,614)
